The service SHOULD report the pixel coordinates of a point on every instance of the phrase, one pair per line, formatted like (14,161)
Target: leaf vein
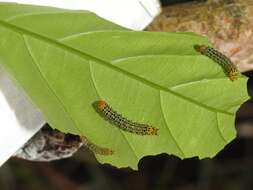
(219,130)
(46,82)
(167,127)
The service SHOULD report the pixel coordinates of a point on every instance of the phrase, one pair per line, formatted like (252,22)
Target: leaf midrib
(102,62)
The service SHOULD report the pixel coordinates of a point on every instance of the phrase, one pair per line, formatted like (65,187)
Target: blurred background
(229,26)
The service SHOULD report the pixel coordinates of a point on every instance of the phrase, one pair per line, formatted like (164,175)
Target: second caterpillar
(123,123)
(95,148)
(228,66)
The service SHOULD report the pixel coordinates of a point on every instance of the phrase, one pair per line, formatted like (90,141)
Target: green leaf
(66,60)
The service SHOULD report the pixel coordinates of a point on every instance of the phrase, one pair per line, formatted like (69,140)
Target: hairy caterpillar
(94,148)
(108,113)
(228,66)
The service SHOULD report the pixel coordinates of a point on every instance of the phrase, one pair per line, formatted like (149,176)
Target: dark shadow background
(231,169)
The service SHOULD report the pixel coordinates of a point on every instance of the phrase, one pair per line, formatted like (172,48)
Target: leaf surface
(66,60)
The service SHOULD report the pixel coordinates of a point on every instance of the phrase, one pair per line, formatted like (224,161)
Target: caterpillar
(228,66)
(95,148)
(121,122)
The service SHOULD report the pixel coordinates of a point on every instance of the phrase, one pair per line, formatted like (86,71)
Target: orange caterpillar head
(101,104)
(152,131)
(200,48)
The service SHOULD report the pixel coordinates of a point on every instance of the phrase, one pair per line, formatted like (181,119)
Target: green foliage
(66,60)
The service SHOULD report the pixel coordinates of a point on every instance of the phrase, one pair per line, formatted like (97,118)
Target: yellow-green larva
(228,66)
(95,148)
(121,122)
